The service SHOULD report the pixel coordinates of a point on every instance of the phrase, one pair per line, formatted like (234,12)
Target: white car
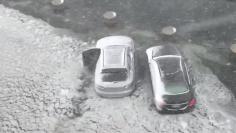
(171,77)
(114,70)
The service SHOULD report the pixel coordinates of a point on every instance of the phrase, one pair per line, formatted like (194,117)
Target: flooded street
(209,23)
(45,89)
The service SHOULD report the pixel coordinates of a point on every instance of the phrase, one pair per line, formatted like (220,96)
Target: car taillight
(192,102)
(160,102)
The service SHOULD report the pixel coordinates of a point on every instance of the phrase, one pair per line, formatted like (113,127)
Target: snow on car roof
(114,57)
(164,50)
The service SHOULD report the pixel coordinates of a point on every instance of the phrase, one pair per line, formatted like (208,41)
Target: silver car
(114,71)
(172,80)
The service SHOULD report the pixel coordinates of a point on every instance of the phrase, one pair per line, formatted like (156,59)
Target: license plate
(176,106)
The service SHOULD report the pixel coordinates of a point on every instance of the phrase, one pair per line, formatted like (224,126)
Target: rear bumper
(174,107)
(117,94)
(177,109)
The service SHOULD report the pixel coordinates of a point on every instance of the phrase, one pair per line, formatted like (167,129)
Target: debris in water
(233,48)
(110,18)
(57,2)
(228,64)
(168,34)
(58,6)
(169,30)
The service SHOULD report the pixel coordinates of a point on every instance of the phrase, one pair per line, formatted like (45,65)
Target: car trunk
(177,99)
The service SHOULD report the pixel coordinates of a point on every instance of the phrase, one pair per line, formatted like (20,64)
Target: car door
(90,58)
(188,72)
(154,75)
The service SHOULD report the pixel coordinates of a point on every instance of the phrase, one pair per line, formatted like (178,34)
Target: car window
(180,98)
(172,75)
(114,76)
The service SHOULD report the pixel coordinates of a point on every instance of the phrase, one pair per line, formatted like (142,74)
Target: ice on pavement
(43,88)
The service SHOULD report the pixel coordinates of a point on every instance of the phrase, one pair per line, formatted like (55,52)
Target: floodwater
(209,23)
(205,30)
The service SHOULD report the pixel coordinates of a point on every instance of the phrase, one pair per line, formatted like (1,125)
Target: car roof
(114,57)
(172,74)
(169,64)
(165,50)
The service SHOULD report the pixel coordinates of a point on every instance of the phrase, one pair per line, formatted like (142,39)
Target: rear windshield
(114,76)
(175,99)
(175,84)
(114,55)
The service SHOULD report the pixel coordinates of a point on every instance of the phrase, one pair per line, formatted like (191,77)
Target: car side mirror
(90,58)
